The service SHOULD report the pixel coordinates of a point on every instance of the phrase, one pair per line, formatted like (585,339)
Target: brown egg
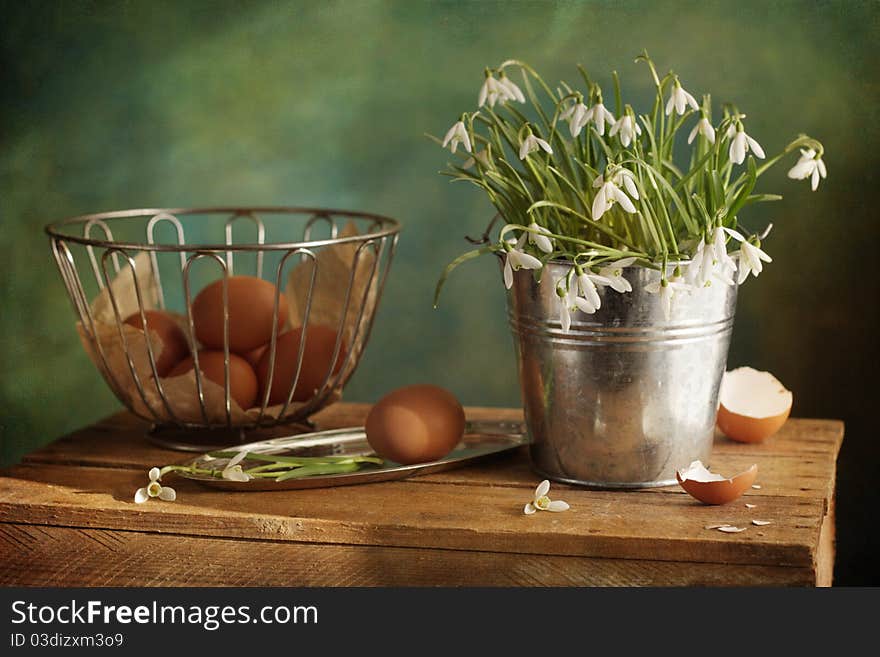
(254,355)
(174,346)
(251,304)
(711,488)
(753,405)
(415,424)
(242,380)
(317,356)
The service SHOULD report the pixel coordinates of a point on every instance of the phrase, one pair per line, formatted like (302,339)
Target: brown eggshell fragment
(415,424)
(173,347)
(317,357)
(753,405)
(242,380)
(251,304)
(711,488)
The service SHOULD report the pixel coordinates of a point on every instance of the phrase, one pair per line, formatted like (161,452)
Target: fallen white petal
(761,523)
(557,505)
(717,525)
(730,529)
(756,486)
(542,489)
(141,496)
(529,509)
(154,474)
(168,494)
(751,506)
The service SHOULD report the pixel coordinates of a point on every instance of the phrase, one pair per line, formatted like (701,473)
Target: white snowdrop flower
(810,165)
(704,128)
(570,303)
(539,238)
(741,144)
(233,471)
(609,193)
(479,156)
(679,99)
(155,489)
(628,128)
(541,502)
(515,259)
(588,284)
(613,272)
(599,117)
(667,288)
(513,91)
(456,135)
(749,257)
(577,117)
(711,262)
(530,144)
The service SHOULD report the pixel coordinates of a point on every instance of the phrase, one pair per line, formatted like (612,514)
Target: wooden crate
(67,519)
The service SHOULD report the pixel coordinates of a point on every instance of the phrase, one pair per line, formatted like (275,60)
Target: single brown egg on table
(174,346)
(415,424)
(317,357)
(242,380)
(251,306)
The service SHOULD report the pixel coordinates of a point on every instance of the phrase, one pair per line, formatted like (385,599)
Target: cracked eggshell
(753,405)
(711,488)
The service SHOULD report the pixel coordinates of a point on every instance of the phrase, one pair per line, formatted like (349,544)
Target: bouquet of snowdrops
(575,182)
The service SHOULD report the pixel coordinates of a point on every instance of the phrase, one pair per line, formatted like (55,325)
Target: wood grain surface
(67,518)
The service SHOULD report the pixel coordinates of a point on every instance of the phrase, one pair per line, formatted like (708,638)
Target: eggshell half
(711,488)
(753,405)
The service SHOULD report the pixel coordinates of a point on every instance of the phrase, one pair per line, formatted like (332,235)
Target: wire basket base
(201,440)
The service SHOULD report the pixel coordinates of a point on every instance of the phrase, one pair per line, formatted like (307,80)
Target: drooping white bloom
(749,257)
(456,135)
(540,238)
(599,117)
(628,128)
(155,489)
(515,259)
(587,283)
(530,144)
(679,99)
(541,502)
(610,193)
(497,91)
(741,144)
(613,272)
(711,262)
(233,471)
(513,91)
(704,128)
(577,117)
(810,165)
(667,288)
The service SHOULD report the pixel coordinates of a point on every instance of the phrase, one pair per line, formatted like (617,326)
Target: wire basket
(330,265)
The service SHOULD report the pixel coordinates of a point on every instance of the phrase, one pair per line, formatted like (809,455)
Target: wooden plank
(647,525)
(53,556)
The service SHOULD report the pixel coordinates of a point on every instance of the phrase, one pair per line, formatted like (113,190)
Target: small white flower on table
(810,165)
(543,503)
(679,99)
(456,135)
(155,489)
(233,471)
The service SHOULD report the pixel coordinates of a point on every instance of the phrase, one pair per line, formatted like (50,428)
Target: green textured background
(136,104)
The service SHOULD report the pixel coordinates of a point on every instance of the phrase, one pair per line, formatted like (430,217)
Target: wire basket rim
(390,227)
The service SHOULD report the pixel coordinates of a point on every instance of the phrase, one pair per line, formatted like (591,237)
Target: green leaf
(464,257)
(746,189)
(318,469)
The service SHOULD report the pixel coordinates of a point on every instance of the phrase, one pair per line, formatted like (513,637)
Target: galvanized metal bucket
(627,396)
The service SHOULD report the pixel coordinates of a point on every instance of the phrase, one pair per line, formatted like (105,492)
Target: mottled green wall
(140,104)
